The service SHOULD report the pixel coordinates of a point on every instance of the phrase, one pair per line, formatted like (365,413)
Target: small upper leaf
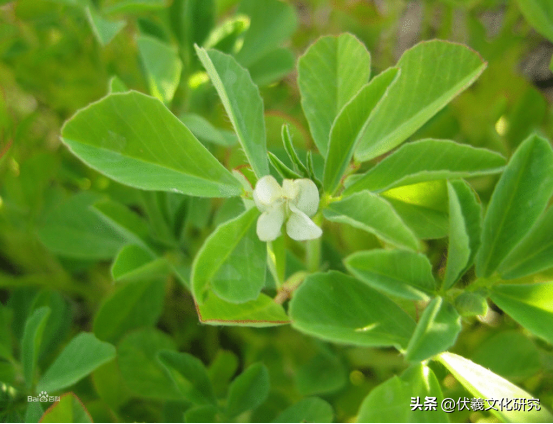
(330,73)
(432,74)
(242,102)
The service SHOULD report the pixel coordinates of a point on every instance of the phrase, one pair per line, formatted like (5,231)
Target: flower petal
(267,190)
(270,222)
(290,189)
(300,227)
(308,196)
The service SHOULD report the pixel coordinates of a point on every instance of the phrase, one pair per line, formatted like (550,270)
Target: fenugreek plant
(256,234)
(238,275)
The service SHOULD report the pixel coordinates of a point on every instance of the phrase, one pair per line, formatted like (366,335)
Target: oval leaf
(427,160)
(330,73)
(30,344)
(261,312)
(397,272)
(135,140)
(519,198)
(338,308)
(432,74)
(375,215)
(308,410)
(69,409)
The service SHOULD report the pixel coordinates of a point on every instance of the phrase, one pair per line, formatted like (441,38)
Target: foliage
(134,283)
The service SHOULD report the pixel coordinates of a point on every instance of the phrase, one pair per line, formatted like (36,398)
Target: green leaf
(540,15)
(298,165)
(110,385)
(531,305)
(308,410)
(272,67)
(338,308)
(534,253)
(190,376)
(428,160)
(221,370)
(465,225)
(519,198)
(72,229)
(34,412)
(232,261)
(103,29)
(383,221)
(322,373)
(31,341)
(261,312)
(201,414)
(134,263)
(271,23)
(163,66)
(137,141)
(432,74)
(350,124)
(397,272)
(330,73)
(124,221)
(242,102)
(248,390)
(422,207)
(116,85)
(69,409)
(132,6)
(484,384)
(5,333)
(144,374)
(436,331)
(390,402)
(192,20)
(82,355)
(282,169)
(509,354)
(205,131)
(470,304)
(131,306)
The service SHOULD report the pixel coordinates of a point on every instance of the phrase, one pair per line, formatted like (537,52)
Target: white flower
(295,202)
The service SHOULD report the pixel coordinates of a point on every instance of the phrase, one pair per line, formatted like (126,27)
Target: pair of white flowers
(294,203)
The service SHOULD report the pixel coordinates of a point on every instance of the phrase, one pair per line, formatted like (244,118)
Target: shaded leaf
(31,341)
(519,198)
(369,319)
(69,409)
(308,410)
(248,390)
